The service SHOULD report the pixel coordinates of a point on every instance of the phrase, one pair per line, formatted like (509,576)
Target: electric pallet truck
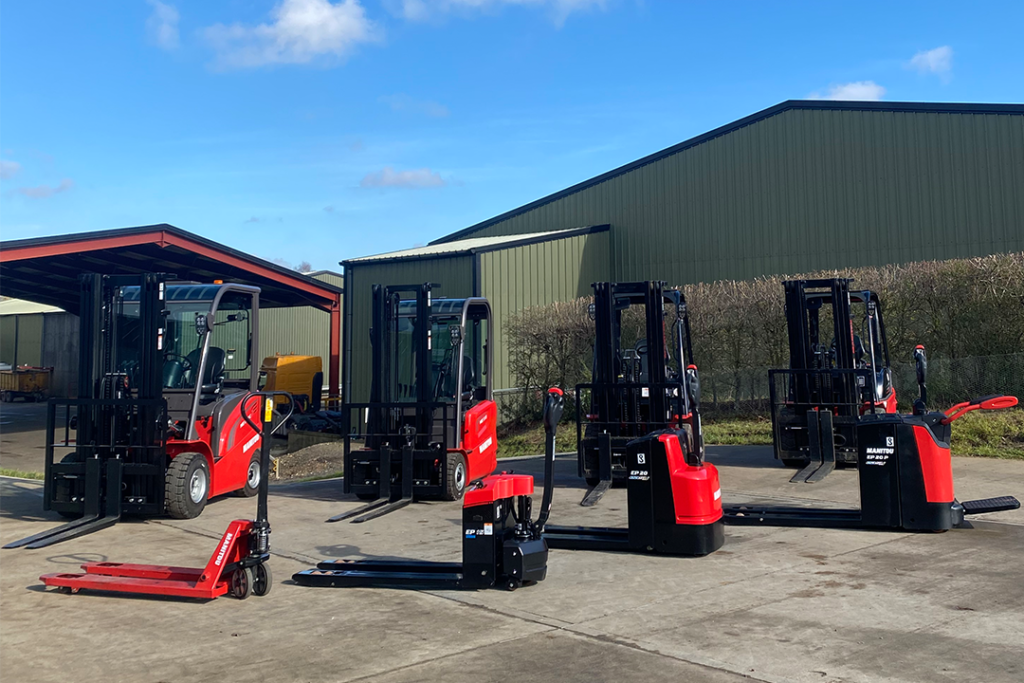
(501,545)
(430,425)
(239,562)
(905,470)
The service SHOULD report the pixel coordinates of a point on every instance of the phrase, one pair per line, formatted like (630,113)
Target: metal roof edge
(174,230)
(830,105)
(470,251)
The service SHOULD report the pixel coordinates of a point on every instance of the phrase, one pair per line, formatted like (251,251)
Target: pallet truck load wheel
(252,479)
(187,485)
(241,583)
(263,579)
(455,477)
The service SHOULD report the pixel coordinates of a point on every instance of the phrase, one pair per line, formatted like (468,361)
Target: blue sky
(309,130)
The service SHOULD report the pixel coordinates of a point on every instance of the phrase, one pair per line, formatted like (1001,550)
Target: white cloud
(858,90)
(937,61)
(44,191)
(162,25)
(8,169)
(300,31)
(389,177)
(405,103)
(425,10)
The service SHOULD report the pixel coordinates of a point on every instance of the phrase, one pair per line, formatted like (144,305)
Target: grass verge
(995,434)
(4,472)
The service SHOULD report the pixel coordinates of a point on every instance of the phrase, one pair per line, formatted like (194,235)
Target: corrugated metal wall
(21,339)
(304,330)
(806,190)
(537,274)
(454,275)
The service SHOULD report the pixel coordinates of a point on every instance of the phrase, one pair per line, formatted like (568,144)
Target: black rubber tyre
(262,579)
(186,486)
(797,463)
(241,583)
(455,477)
(367,496)
(252,479)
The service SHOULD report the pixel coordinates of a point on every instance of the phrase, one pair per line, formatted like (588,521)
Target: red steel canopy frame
(46,269)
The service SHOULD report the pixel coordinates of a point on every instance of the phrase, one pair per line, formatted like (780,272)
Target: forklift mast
(838,371)
(639,390)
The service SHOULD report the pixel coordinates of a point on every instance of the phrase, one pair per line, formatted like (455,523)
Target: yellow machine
(301,376)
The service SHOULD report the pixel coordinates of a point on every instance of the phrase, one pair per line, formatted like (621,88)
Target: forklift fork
(387,503)
(604,470)
(100,512)
(822,447)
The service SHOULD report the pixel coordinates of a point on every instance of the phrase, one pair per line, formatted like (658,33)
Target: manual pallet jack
(905,470)
(674,503)
(501,545)
(238,565)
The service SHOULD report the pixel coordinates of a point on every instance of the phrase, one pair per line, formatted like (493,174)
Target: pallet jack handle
(553,407)
(995,402)
(266,418)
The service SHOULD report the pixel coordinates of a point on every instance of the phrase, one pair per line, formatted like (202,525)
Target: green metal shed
(801,186)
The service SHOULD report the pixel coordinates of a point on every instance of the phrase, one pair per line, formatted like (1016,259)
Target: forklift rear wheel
(187,485)
(263,579)
(241,583)
(252,479)
(455,477)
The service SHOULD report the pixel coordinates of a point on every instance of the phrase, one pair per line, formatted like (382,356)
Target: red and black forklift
(156,427)
(905,472)
(833,380)
(643,428)
(637,386)
(502,545)
(430,425)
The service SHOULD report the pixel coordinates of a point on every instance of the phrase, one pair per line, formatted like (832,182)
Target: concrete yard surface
(775,604)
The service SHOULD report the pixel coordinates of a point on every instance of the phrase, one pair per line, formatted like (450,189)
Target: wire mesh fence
(950,380)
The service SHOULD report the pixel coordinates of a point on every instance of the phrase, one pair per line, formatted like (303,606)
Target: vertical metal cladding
(454,275)
(533,275)
(807,189)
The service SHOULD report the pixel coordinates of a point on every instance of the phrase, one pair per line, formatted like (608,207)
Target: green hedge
(968,313)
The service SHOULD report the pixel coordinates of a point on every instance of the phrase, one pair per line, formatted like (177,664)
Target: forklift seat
(216,361)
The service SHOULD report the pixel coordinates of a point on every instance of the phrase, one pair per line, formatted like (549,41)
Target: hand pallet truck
(674,503)
(905,470)
(501,544)
(238,565)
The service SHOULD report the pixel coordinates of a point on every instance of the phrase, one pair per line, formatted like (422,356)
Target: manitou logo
(223,549)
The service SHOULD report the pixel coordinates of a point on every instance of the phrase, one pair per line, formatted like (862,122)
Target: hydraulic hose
(553,407)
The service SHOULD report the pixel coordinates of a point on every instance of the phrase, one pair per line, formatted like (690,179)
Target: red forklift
(430,425)
(638,386)
(156,428)
(838,372)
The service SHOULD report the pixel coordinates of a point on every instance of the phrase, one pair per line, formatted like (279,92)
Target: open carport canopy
(46,269)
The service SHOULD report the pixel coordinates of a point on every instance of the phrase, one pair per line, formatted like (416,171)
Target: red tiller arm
(983,403)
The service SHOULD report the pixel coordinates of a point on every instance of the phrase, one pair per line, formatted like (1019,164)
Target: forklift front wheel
(455,477)
(263,579)
(241,583)
(187,485)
